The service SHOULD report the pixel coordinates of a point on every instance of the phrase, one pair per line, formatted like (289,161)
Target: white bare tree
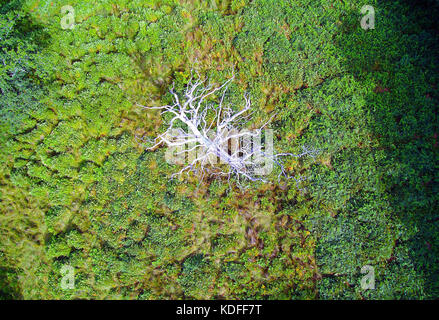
(223,136)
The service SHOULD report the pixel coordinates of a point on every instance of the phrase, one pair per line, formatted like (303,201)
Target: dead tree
(224,136)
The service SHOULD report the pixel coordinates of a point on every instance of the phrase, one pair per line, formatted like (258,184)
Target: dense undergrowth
(77,188)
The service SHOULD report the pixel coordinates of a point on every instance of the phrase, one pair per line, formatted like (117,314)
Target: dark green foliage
(388,219)
(19,73)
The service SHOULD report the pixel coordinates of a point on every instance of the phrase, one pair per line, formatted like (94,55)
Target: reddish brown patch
(380,89)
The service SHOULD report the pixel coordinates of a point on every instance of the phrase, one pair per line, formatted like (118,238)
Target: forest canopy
(81,197)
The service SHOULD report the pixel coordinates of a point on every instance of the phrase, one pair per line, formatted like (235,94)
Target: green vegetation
(76,187)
